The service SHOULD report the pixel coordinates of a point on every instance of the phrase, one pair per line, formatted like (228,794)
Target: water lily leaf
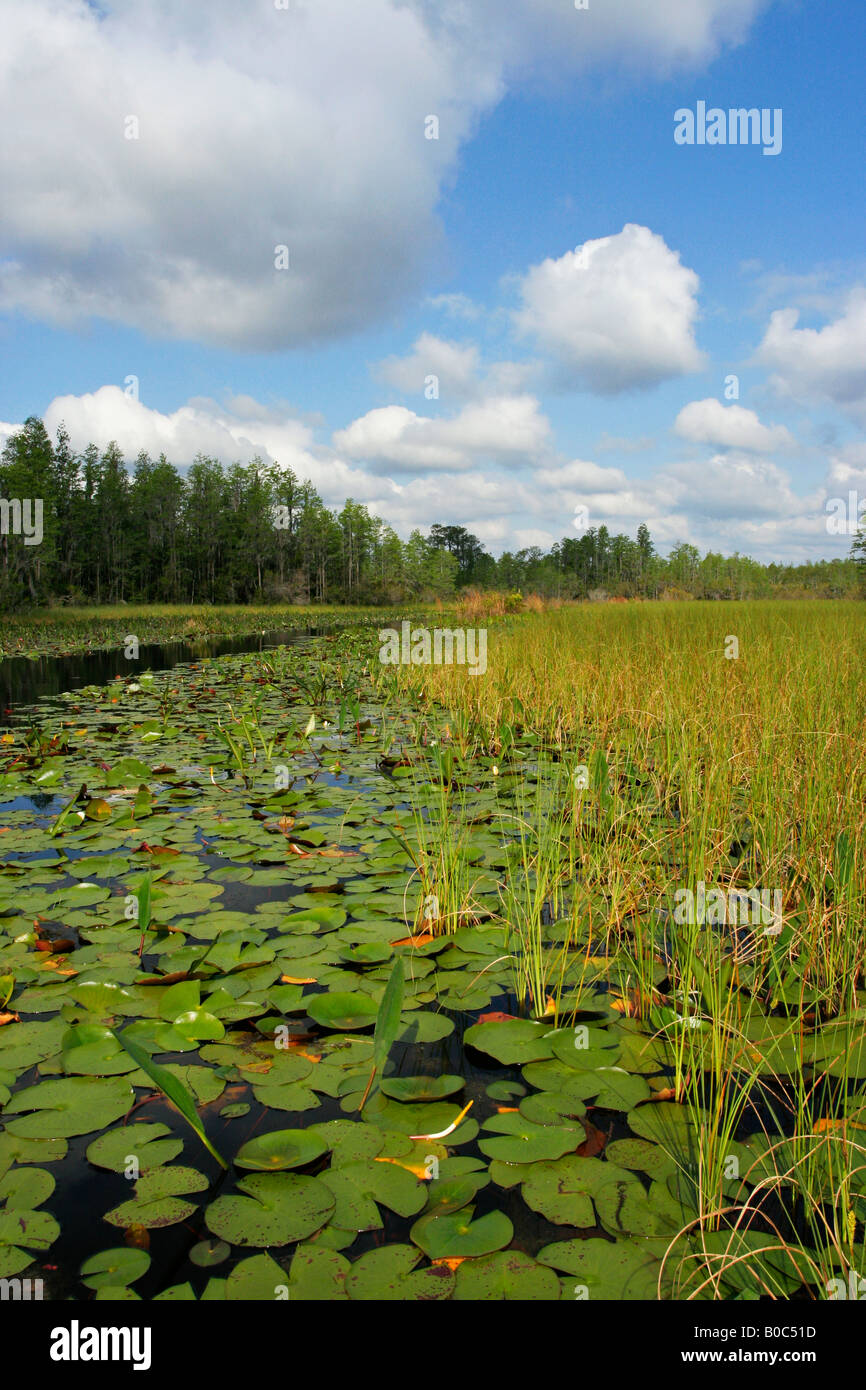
(619,1090)
(608,1270)
(367,953)
(26,1188)
(642,1155)
(446,1195)
(343,1012)
(279,1149)
(505,1090)
(525,1142)
(511,1040)
(258,1278)
(194,1025)
(23,1044)
(234,1112)
(21,1233)
(508,1175)
(155,1203)
(585,1047)
(350,1141)
(209,1252)
(563,1190)
(93,1050)
(75,1105)
(425,1119)
(277,1209)
(14,1149)
(102,997)
(322,919)
(358,1187)
(508,1275)
(421,1088)
(626,1208)
(422,1026)
(318,1275)
(179,999)
(389,1275)
(114,1268)
(671,1126)
(456,1235)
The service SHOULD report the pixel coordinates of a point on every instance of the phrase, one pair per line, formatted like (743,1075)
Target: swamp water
(290,821)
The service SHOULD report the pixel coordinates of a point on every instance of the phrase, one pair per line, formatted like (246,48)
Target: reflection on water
(23,680)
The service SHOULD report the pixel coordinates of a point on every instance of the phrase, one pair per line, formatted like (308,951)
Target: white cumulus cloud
(820,364)
(616,314)
(163,151)
(501,429)
(729,427)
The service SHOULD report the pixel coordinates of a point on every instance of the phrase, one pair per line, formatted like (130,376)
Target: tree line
(255,532)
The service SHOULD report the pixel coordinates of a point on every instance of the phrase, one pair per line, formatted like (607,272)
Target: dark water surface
(25,680)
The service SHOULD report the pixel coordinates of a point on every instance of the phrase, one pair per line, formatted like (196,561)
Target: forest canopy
(255,532)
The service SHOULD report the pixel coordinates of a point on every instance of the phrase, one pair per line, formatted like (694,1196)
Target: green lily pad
(276,1209)
(150,1145)
(76,1105)
(525,1142)
(457,1235)
(603,1269)
(26,1188)
(114,1268)
(156,1202)
(421,1088)
(209,1252)
(562,1191)
(281,1148)
(22,1233)
(343,1012)
(642,1155)
(511,1040)
(388,1275)
(358,1187)
(258,1278)
(508,1275)
(423,1026)
(318,1275)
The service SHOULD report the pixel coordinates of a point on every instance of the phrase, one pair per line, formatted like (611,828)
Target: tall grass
(734,764)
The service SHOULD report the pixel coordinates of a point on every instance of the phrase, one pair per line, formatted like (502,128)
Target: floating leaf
(457,1235)
(114,1268)
(276,1209)
(508,1275)
(279,1149)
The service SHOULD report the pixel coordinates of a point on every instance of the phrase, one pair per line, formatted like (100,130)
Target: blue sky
(581,285)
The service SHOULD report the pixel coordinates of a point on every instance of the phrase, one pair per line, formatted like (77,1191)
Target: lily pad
(421,1088)
(114,1268)
(343,1012)
(511,1040)
(388,1275)
(508,1275)
(76,1105)
(281,1148)
(525,1142)
(456,1235)
(275,1209)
